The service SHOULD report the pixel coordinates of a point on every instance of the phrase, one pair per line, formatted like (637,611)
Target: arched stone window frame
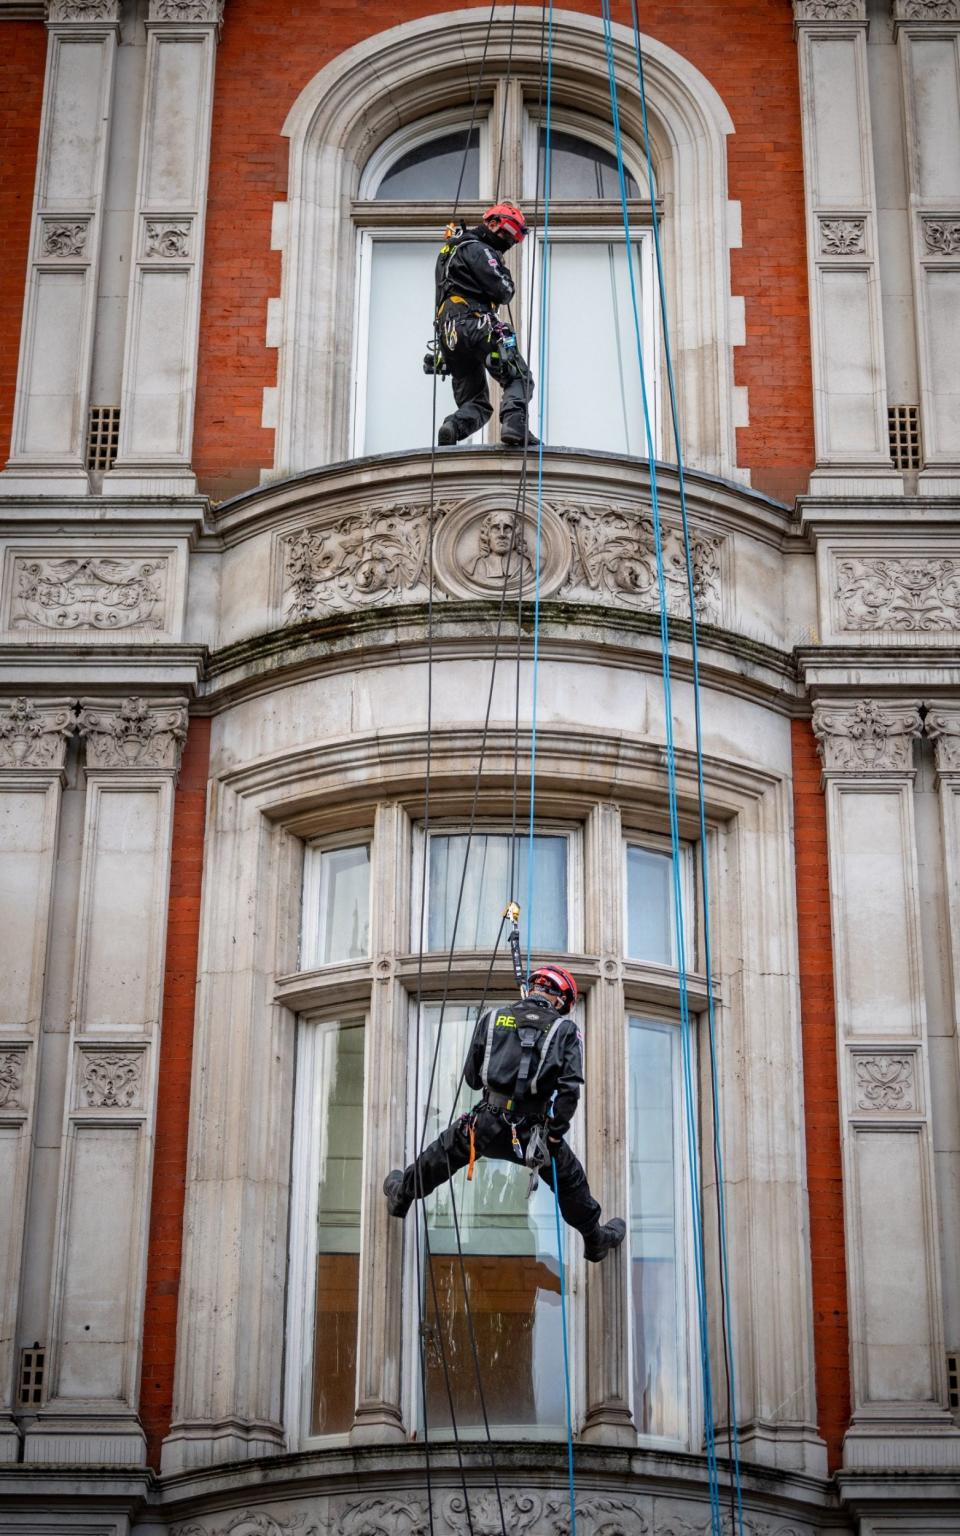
(413,71)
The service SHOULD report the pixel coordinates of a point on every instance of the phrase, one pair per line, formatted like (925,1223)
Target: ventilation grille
(30,1390)
(904,423)
(103,434)
(953,1382)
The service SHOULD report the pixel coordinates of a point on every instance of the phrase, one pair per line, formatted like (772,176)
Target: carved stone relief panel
(869,737)
(843,236)
(110,1079)
(167,239)
(187,10)
(63,239)
(13,1067)
(134,734)
(613,559)
(943,728)
(884,1080)
(35,735)
(829,10)
(481,548)
(83,10)
(903,594)
(941,235)
(926,10)
(525,1514)
(361,559)
(87,592)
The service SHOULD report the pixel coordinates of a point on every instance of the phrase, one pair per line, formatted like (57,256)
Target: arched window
(592,395)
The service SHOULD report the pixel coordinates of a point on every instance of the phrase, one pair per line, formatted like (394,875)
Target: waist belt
(477,305)
(497,1100)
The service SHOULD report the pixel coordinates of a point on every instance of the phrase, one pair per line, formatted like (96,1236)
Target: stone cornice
(22,10)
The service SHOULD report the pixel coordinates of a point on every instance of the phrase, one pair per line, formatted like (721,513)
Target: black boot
(448,434)
(397,1202)
(602,1240)
(515,437)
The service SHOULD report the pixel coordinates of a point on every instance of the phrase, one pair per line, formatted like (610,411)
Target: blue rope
(701,792)
(686,1042)
(566,1353)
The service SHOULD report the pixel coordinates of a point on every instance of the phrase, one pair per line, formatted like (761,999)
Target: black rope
(473,110)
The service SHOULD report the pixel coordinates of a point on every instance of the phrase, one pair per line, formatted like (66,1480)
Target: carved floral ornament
(187,10)
(907,595)
(843,237)
(941,236)
(524,1514)
(35,736)
(12,1064)
(83,10)
(100,594)
(829,10)
(111,1079)
(63,239)
(926,10)
(886,1081)
(588,553)
(867,738)
(131,734)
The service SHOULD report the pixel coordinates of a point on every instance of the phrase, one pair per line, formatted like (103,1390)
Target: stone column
(899,1419)
(163,313)
(850,403)
(608,1416)
(48,445)
(33,742)
(94,1332)
(928,42)
(379,1330)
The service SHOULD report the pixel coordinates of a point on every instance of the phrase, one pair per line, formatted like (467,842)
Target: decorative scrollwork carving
(869,738)
(167,238)
(250,1523)
(358,561)
(927,10)
(64,238)
(943,728)
(111,1079)
(32,737)
(614,557)
(82,10)
(134,735)
(829,10)
(89,593)
(11,1079)
(885,1082)
(907,595)
(187,10)
(941,236)
(843,237)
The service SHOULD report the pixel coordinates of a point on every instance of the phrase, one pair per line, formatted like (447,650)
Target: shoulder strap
(543,1053)
(488,1050)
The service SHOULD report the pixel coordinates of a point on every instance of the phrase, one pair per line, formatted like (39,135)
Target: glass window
(396,408)
(336,906)
(433,170)
(512,1275)
(340,1135)
(659,1340)
(488,887)
(579,169)
(651,913)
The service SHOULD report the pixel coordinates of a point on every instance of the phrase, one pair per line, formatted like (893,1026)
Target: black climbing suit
(560,1072)
(472,281)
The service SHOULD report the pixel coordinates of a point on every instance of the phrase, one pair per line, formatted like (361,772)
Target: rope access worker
(472,281)
(522,1055)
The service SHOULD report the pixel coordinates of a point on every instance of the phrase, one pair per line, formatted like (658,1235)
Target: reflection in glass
(338,1228)
(399,407)
(659,1364)
(432,170)
(579,169)
(488,888)
(344,929)
(651,919)
(512,1276)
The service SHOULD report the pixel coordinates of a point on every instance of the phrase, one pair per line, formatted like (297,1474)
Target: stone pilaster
(899,1419)
(53,381)
(163,313)
(928,44)
(850,406)
(95,1327)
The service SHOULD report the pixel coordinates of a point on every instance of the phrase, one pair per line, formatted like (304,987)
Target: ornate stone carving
(32,737)
(133,735)
(111,1079)
(869,738)
(481,551)
(89,593)
(829,10)
(943,728)
(187,10)
(83,10)
(11,1078)
(360,560)
(941,236)
(926,10)
(907,595)
(64,238)
(167,238)
(614,560)
(885,1082)
(843,237)
(250,1523)
(671,1524)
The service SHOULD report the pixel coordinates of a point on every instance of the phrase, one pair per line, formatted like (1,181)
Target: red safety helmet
(509,218)
(552,978)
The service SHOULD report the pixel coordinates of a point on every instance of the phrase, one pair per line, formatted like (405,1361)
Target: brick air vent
(103,434)
(904,422)
(953,1381)
(30,1388)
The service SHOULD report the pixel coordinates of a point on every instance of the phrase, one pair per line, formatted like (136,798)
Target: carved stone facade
(843,237)
(12,1064)
(133,735)
(941,237)
(83,10)
(899,594)
(35,736)
(886,1082)
(88,592)
(111,1079)
(64,240)
(868,738)
(829,10)
(926,10)
(168,239)
(187,10)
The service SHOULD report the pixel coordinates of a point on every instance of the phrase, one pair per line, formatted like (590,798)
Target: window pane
(338,1228)
(579,169)
(593,397)
(510,1259)
(659,1366)
(344,925)
(398,409)
(651,923)
(432,170)
(487,889)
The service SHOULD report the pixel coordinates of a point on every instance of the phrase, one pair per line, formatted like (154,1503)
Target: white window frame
(304,1195)
(563,120)
(575,1274)
(690,1384)
(652,843)
(421,131)
(459,828)
(310,908)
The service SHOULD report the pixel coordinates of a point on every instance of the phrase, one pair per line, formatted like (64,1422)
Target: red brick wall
(22,57)
(173,1104)
(270,50)
(824,1171)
